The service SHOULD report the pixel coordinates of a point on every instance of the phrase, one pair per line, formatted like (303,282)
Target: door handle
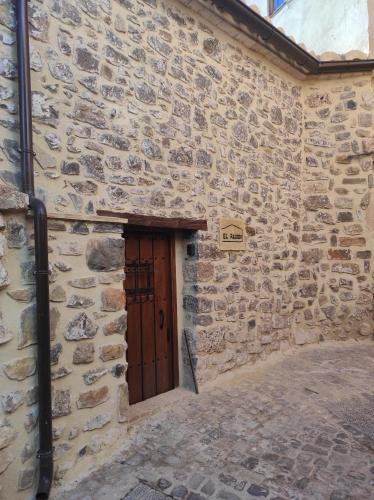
(162,318)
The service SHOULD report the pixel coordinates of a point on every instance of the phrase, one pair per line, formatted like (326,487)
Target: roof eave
(283,46)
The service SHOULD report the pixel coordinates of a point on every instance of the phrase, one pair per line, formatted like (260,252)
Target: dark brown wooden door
(150,331)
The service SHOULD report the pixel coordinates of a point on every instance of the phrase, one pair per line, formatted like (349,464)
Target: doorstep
(153,405)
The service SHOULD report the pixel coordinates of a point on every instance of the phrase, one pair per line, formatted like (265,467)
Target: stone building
(324,26)
(232,183)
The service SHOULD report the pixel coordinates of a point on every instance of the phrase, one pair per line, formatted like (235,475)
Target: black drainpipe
(45,453)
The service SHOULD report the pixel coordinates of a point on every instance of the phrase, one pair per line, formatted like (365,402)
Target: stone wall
(88,323)
(141,107)
(336,292)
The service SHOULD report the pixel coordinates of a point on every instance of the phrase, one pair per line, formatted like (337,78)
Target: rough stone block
(122,403)
(105,254)
(117,326)
(61,403)
(11,199)
(306,336)
(110,352)
(92,398)
(84,353)
(81,327)
(20,368)
(112,299)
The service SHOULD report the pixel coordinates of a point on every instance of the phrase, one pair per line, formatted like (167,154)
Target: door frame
(173,291)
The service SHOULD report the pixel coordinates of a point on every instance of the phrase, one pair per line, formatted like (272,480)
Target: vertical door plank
(134,320)
(148,325)
(162,313)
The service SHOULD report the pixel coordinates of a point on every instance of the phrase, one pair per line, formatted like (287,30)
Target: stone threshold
(153,405)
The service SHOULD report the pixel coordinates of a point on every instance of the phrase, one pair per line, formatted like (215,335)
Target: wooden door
(149,285)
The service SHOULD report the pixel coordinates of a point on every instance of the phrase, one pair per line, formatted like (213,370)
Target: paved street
(298,428)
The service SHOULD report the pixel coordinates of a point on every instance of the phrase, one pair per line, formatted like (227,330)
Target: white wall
(261,4)
(326,25)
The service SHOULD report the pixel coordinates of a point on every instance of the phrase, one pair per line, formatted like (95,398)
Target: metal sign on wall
(231,234)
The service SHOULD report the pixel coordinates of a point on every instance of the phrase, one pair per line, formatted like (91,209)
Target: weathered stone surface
(60,373)
(27,333)
(181,156)
(112,93)
(39,23)
(115,57)
(211,341)
(366,329)
(112,299)
(305,336)
(97,422)
(79,228)
(312,256)
(5,335)
(70,248)
(145,93)
(151,149)
(110,352)
(31,396)
(86,60)
(105,254)
(70,168)
(115,141)
(122,403)
(21,294)
(44,109)
(347,267)
(198,271)
(87,282)
(57,294)
(16,234)
(117,326)
(309,290)
(4,277)
(351,242)
(8,68)
(27,452)
(92,398)
(80,302)
(26,478)
(159,46)
(61,403)
(345,217)
(20,368)
(339,254)
(7,433)
(197,304)
(31,420)
(317,202)
(81,327)
(12,400)
(316,100)
(61,71)
(54,318)
(11,199)
(92,376)
(5,460)
(84,353)
(56,351)
(88,113)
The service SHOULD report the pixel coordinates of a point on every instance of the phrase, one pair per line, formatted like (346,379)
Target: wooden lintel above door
(151,221)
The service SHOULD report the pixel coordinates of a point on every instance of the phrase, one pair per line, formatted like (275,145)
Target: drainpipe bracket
(44,454)
(41,272)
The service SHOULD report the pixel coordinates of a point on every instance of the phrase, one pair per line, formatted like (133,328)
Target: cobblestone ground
(299,428)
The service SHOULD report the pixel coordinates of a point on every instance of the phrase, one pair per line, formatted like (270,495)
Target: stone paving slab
(298,428)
